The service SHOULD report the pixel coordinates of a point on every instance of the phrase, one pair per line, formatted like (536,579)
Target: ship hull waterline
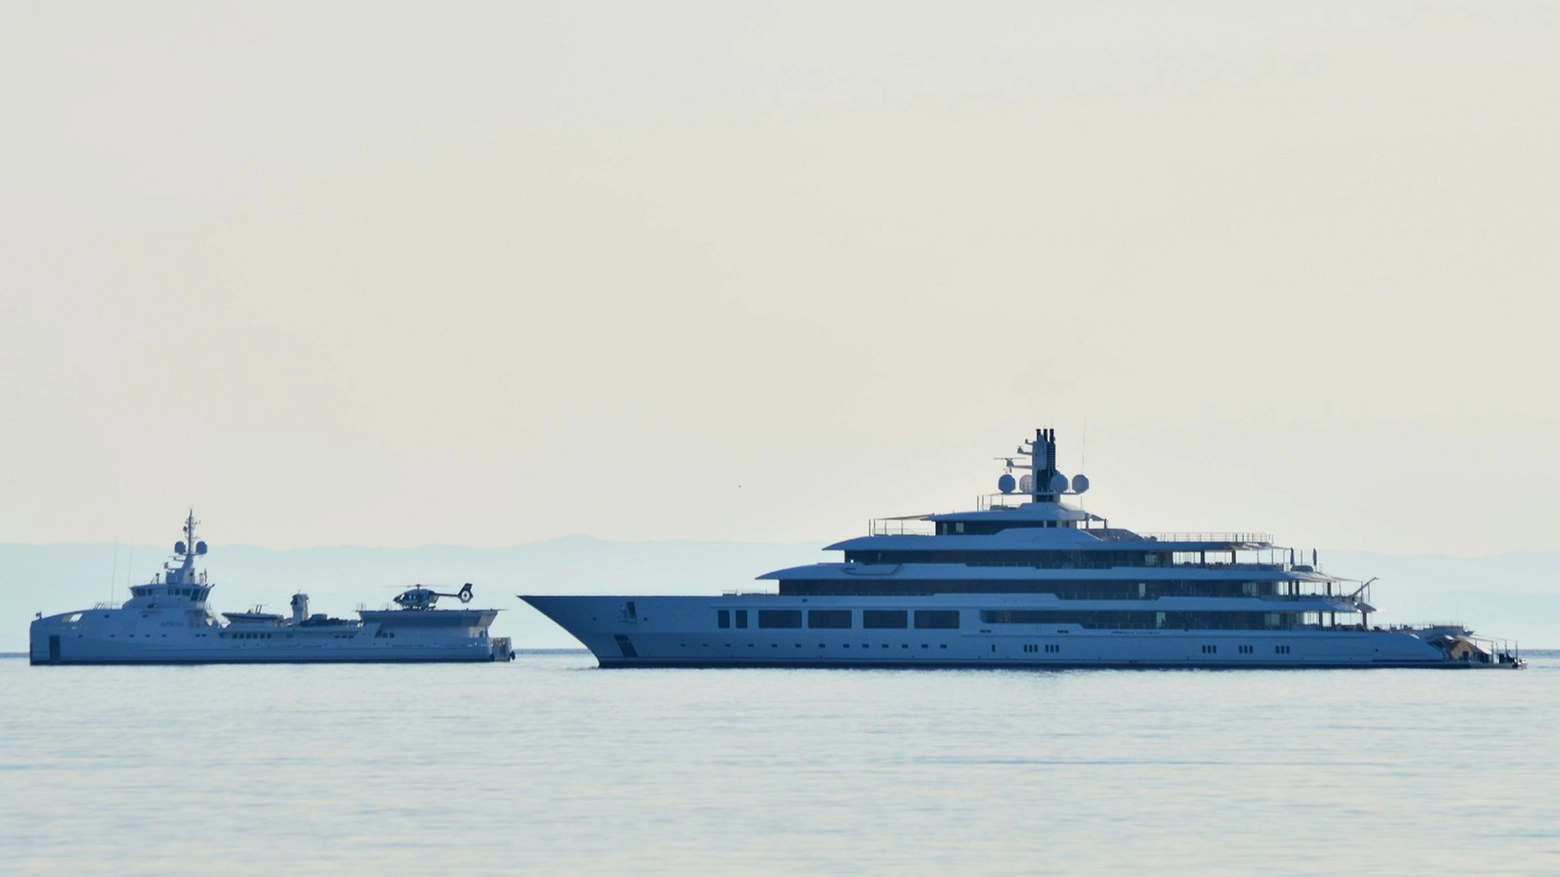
(668,632)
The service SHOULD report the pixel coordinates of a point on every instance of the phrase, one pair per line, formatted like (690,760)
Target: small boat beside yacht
(168,621)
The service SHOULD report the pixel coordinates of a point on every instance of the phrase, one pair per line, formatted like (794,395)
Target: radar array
(1040,478)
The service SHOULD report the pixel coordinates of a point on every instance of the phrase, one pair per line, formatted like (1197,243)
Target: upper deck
(1031,540)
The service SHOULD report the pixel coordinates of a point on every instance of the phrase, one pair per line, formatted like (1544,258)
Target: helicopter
(420,597)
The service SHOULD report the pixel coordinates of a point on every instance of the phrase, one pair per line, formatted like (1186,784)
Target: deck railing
(901,527)
(1227,538)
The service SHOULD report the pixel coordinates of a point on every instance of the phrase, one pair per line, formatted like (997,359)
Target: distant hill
(1510,595)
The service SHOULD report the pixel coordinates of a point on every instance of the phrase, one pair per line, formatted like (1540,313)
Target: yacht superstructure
(167,621)
(1025,580)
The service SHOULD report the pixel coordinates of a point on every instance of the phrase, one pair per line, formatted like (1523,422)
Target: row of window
(229,634)
(193,593)
(1029,648)
(1065,589)
(843,619)
(987,528)
(1132,619)
(1036,559)
(948,619)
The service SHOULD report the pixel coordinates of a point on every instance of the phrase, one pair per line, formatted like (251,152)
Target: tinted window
(742,618)
(723,618)
(779,618)
(1128,619)
(937,619)
(835,618)
(884,618)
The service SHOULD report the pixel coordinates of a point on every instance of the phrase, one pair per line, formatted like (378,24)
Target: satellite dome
(1026,483)
(200,548)
(178,548)
(1058,483)
(1006,483)
(1080,483)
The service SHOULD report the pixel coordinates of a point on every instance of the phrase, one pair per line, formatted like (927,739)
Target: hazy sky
(479,274)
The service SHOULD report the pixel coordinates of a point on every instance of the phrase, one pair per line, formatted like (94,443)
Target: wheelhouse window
(884,619)
(937,619)
(835,619)
(781,618)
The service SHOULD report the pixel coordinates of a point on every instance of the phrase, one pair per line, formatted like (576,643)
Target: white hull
(682,632)
(114,653)
(117,637)
(80,649)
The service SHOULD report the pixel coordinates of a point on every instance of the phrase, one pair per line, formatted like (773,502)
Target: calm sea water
(548,765)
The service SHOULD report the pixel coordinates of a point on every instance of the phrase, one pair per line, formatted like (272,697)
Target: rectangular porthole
(835,619)
(937,619)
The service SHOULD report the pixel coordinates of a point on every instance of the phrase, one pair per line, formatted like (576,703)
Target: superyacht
(1026,580)
(166,621)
